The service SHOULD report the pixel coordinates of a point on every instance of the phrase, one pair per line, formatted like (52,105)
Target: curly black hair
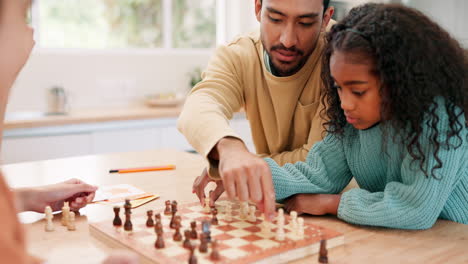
(415,60)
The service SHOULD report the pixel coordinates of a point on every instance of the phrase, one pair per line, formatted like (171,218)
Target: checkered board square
(240,241)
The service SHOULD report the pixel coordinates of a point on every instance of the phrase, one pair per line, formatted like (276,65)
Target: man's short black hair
(325,4)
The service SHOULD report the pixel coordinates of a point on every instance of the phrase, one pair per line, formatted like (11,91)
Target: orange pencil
(130,170)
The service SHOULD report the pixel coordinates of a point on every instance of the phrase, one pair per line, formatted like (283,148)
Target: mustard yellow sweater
(283,112)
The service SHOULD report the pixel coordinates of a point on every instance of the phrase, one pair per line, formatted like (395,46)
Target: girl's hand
(314,204)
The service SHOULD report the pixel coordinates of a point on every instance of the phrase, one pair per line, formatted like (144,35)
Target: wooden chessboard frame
(288,250)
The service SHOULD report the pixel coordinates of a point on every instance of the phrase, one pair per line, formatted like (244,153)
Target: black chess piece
(214,219)
(128,226)
(160,240)
(203,248)
(187,243)
(192,258)
(214,256)
(117,221)
(323,253)
(193,232)
(167,210)
(150,221)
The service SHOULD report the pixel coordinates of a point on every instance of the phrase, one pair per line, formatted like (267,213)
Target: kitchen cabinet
(52,142)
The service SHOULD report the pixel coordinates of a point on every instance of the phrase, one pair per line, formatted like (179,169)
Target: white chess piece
(243,210)
(280,217)
(71,222)
(293,221)
(207,205)
(280,235)
(252,216)
(300,227)
(265,227)
(65,214)
(228,213)
(49,216)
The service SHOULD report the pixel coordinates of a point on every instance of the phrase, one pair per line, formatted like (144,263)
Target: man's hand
(314,204)
(200,184)
(74,191)
(246,176)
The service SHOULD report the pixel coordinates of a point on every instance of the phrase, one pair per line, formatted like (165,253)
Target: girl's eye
(359,93)
(336,86)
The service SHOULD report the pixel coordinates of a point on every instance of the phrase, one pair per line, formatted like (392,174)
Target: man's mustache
(291,49)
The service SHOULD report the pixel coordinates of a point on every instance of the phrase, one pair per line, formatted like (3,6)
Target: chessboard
(239,241)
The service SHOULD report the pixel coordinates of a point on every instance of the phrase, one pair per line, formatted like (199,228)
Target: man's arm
(212,102)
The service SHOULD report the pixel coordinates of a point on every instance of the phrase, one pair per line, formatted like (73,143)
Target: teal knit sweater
(393,191)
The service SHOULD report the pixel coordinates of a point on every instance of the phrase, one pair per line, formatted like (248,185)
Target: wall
(103,78)
(113,78)
(450,14)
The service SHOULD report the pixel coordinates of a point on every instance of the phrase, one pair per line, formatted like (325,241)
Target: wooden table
(446,242)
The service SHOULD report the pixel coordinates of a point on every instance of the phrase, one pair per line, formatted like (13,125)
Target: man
(275,77)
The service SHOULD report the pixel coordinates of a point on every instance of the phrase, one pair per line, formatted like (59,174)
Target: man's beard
(280,71)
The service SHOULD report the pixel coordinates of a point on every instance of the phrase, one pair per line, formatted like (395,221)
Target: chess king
(274,75)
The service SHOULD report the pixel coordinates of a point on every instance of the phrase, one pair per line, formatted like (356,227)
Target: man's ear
(258,9)
(327,15)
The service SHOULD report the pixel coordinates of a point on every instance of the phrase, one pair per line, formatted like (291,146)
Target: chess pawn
(65,213)
(228,212)
(280,235)
(252,217)
(159,240)
(167,210)
(158,226)
(117,221)
(300,227)
(293,223)
(149,222)
(280,216)
(174,206)
(157,217)
(71,222)
(192,257)
(243,210)
(214,219)
(177,235)
(203,248)
(214,256)
(193,232)
(323,253)
(207,208)
(187,243)
(49,227)
(265,227)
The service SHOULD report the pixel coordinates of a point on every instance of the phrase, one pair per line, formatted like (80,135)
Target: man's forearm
(226,145)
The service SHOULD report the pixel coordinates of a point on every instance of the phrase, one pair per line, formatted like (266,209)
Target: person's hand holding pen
(74,191)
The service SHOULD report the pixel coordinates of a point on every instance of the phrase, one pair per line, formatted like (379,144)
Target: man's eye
(274,19)
(306,24)
(336,86)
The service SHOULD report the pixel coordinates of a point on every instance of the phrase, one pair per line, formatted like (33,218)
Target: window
(99,24)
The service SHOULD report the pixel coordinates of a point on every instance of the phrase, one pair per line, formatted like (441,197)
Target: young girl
(395,86)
